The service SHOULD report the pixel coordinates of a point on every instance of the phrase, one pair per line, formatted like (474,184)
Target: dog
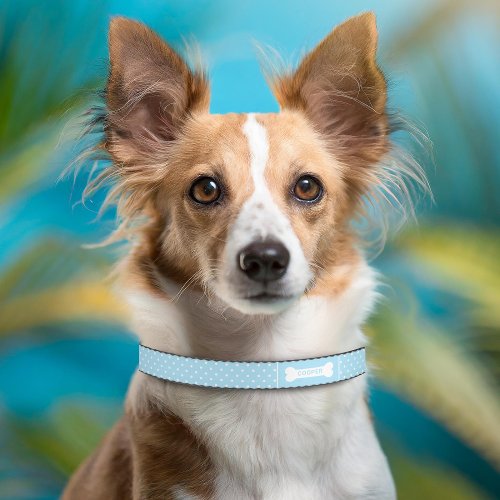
(243,249)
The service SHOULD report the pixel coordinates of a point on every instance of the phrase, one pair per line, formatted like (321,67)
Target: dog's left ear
(343,92)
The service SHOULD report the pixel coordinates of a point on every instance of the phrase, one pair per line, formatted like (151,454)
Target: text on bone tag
(318,371)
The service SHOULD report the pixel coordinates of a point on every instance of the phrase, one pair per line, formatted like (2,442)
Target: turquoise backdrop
(65,357)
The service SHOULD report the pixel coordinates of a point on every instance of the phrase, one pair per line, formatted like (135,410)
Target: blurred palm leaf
(51,281)
(437,21)
(479,155)
(50,261)
(421,363)
(434,480)
(463,261)
(89,301)
(23,167)
(418,357)
(68,434)
(438,372)
(460,120)
(30,127)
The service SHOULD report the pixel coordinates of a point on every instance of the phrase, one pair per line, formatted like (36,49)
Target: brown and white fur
(187,294)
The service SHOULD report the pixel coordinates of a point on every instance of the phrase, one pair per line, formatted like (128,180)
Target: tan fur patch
(168,456)
(108,473)
(145,456)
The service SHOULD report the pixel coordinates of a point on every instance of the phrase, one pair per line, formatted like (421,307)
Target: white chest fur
(290,444)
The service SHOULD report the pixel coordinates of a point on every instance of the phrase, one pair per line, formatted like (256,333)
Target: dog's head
(252,208)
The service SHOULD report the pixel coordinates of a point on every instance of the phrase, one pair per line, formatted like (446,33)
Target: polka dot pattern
(253,374)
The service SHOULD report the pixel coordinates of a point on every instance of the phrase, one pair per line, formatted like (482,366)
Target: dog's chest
(274,444)
(296,443)
(275,448)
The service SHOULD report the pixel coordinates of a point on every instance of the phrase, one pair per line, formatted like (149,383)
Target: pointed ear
(343,92)
(150,92)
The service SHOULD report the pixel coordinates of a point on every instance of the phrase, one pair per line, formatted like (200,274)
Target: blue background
(62,380)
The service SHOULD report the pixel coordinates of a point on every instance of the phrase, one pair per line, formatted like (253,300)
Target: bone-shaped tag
(318,371)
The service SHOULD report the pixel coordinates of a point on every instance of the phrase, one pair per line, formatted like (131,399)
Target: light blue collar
(252,374)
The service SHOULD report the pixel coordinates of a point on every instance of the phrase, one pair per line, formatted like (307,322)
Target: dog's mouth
(261,301)
(257,298)
(268,297)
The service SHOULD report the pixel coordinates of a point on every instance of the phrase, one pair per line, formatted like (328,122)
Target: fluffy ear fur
(343,92)
(150,91)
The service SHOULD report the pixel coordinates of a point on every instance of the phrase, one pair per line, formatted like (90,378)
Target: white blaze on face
(260,219)
(258,145)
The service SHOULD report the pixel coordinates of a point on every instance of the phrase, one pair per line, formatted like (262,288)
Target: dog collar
(252,374)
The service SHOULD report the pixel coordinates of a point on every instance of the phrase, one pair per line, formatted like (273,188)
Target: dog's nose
(264,261)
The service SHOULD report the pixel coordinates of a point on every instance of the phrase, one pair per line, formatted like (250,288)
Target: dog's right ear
(150,92)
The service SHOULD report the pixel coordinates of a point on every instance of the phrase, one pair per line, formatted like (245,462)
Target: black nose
(264,261)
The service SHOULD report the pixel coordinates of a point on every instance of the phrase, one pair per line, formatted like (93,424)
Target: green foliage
(414,358)
(50,281)
(55,282)
(35,104)
(45,450)
(439,371)
(462,260)
(416,480)
(67,434)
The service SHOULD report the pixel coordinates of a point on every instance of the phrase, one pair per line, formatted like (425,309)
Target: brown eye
(205,190)
(308,188)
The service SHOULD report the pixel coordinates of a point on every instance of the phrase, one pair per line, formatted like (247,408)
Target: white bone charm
(292,374)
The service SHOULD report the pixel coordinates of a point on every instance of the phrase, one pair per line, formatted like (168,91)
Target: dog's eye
(205,190)
(308,188)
